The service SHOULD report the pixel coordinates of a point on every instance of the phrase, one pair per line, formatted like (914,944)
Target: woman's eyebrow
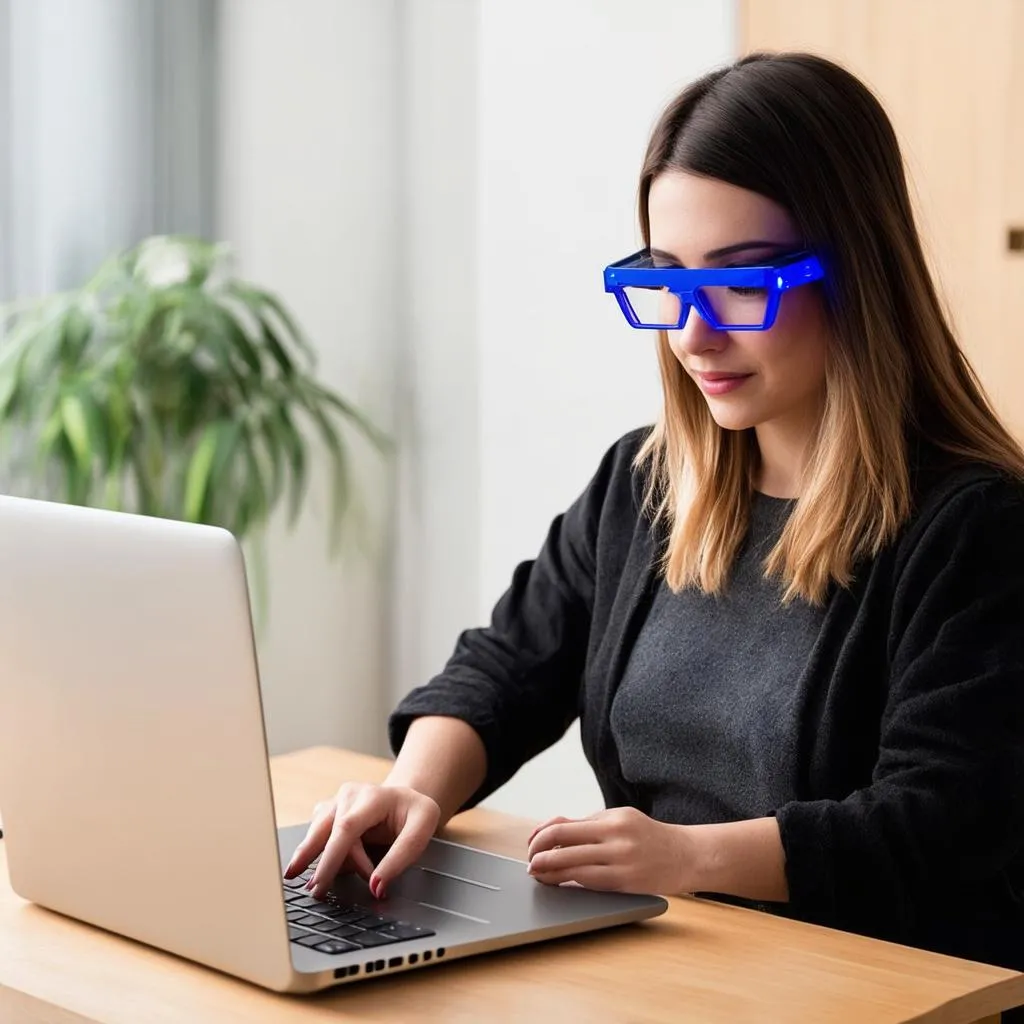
(728,250)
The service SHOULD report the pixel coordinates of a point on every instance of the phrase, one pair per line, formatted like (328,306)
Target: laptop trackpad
(442,893)
(455,879)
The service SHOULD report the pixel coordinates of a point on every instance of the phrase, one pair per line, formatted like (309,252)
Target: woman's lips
(721,383)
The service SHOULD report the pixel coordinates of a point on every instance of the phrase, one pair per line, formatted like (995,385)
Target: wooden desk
(701,961)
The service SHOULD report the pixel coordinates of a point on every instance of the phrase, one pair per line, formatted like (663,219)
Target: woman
(791,615)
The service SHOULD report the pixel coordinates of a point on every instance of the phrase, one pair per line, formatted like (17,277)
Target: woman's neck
(783,455)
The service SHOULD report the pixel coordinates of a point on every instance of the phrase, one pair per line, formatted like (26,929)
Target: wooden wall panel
(951,76)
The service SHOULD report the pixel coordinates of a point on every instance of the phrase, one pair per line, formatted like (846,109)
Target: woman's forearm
(739,858)
(443,758)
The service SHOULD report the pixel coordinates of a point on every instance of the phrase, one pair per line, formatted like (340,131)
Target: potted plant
(168,387)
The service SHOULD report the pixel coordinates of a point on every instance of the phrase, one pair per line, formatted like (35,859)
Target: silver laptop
(134,781)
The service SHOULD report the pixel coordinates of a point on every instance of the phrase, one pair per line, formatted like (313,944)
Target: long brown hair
(804,132)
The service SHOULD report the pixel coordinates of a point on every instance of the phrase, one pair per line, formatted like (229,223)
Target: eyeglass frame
(775,277)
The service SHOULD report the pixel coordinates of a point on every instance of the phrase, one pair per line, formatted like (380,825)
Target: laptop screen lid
(134,780)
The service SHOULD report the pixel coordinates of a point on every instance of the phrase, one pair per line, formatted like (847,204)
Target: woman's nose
(696,336)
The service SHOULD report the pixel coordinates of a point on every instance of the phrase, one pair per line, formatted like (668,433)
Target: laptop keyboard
(335,928)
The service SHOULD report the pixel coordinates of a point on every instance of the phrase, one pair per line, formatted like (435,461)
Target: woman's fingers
(360,861)
(420,822)
(568,857)
(543,825)
(337,831)
(592,876)
(370,808)
(568,833)
(314,841)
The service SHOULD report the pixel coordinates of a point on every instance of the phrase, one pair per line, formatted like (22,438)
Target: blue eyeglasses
(726,298)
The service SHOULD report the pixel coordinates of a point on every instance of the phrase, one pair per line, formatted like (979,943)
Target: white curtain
(107,132)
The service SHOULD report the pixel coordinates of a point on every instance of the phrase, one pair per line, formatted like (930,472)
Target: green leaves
(76,429)
(166,386)
(215,448)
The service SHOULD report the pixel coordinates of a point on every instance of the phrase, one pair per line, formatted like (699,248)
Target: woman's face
(748,378)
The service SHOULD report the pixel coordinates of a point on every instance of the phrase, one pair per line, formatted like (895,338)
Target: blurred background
(432,188)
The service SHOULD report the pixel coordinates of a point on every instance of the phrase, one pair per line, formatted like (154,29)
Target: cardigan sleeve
(946,800)
(516,681)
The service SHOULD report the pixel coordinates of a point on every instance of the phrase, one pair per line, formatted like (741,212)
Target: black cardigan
(909,821)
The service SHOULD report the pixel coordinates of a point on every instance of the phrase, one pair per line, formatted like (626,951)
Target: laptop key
(295,883)
(309,939)
(310,921)
(335,946)
(372,921)
(339,931)
(307,901)
(294,915)
(370,939)
(400,930)
(343,915)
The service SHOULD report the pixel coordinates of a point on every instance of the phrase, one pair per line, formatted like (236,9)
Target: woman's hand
(620,849)
(397,816)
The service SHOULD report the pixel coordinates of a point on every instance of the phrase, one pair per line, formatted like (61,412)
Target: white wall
(310,140)
(526,123)
(568,94)
(475,163)
(438,536)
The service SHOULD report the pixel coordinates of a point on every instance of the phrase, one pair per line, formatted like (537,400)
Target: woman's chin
(731,419)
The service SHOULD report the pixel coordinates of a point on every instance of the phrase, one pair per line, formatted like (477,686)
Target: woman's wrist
(402,779)
(442,758)
(739,858)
